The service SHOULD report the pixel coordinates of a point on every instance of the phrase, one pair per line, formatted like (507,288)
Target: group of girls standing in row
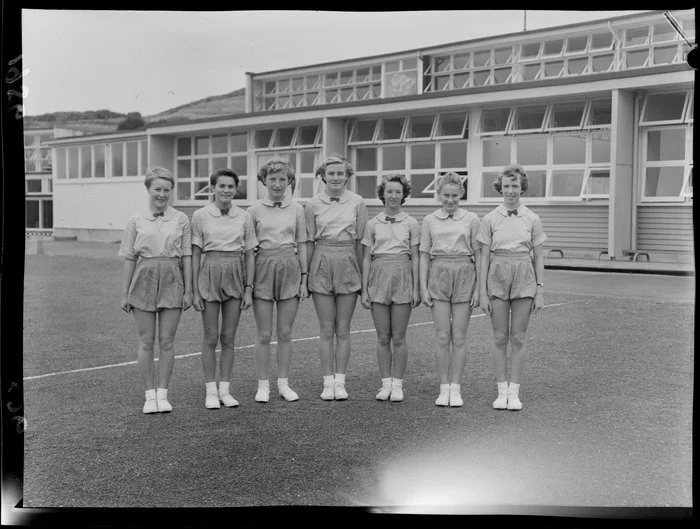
(278,252)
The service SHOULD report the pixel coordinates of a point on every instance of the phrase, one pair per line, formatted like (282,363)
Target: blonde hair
(329,160)
(277,165)
(156,172)
(449,178)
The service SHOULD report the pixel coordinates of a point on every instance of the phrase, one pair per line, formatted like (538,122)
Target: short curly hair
(277,165)
(511,171)
(401,179)
(156,172)
(214,178)
(329,160)
(449,178)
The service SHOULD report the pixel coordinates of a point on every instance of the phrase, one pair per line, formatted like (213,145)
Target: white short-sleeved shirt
(443,234)
(341,220)
(386,237)
(233,232)
(280,226)
(149,236)
(515,233)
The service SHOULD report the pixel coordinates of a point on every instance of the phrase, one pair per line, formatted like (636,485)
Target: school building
(600,114)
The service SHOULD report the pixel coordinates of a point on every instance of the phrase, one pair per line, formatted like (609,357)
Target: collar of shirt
(285,202)
(504,210)
(401,216)
(440,213)
(216,212)
(325,197)
(169,214)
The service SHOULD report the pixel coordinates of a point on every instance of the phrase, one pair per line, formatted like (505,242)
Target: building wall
(665,228)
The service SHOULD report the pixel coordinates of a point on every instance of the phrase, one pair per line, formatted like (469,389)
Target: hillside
(103,121)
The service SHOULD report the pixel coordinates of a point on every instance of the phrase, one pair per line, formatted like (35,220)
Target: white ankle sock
(327,380)
(264,384)
(386,382)
(340,378)
(282,382)
(513,388)
(224,387)
(162,393)
(150,394)
(396,382)
(455,387)
(211,387)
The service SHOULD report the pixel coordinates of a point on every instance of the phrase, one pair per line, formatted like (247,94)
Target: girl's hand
(475,299)
(416,299)
(485,304)
(303,291)
(187,300)
(364,300)
(197,302)
(125,305)
(538,302)
(247,300)
(427,300)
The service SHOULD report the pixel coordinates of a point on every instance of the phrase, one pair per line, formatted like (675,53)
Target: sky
(150,61)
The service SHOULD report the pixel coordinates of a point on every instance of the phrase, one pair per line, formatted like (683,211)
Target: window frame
(683,115)
(686,163)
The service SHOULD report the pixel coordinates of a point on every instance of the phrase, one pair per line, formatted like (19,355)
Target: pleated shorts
(390,279)
(334,269)
(452,278)
(277,274)
(221,276)
(511,276)
(157,284)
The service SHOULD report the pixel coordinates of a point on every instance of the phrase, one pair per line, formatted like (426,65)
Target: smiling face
(511,190)
(224,191)
(276,184)
(449,196)
(159,194)
(336,176)
(393,195)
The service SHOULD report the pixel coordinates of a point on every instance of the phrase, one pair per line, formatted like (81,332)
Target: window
(420,127)
(529,118)
(362,132)
(38,213)
(494,121)
(117,159)
(667,163)
(452,125)
(98,151)
(390,129)
(567,115)
(664,108)
(597,184)
(86,161)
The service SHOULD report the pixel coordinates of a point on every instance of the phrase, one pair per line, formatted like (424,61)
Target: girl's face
(393,194)
(511,190)
(449,196)
(159,193)
(336,176)
(276,184)
(224,190)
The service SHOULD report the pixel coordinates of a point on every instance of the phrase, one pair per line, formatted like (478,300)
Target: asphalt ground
(607,417)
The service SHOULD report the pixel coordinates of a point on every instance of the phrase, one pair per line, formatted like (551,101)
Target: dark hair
(330,160)
(399,178)
(214,178)
(277,165)
(512,171)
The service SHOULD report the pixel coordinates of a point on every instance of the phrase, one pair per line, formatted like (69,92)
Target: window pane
(99,154)
(86,161)
(305,187)
(500,75)
(480,57)
(601,112)
(366,186)
(391,129)
(144,158)
(419,182)
(284,136)
(219,144)
(567,114)
(72,162)
(239,165)
(494,120)
(262,138)
(32,214)
(536,183)
(391,66)
(366,159)
(219,162)
(602,63)
(199,186)
(451,124)
(600,146)
(576,44)
(552,69)
(663,33)
(501,55)
(496,152)
(184,169)
(567,183)
(530,71)
(598,183)
(33,186)
(242,189)
(487,189)
(363,130)
(307,135)
(481,77)
(393,158)
(569,148)
(636,36)
(61,162)
(132,158)
(664,107)
(576,66)
(531,150)
(420,126)
(553,47)
(668,144)
(117,159)
(634,59)
(529,117)
(201,169)
(45,153)
(663,181)
(530,50)
(601,40)
(239,142)
(201,145)
(453,154)
(47,212)
(461,80)
(308,162)
(665,55)
(460,61)
(423,156)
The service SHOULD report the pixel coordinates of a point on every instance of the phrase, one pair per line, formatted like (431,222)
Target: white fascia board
(96,138)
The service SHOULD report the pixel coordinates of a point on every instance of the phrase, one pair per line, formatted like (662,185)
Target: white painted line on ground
(133,362)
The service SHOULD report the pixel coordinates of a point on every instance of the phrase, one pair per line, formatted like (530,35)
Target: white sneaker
(162,401)
(212,401)
(455,398)
(501,402)
(514,403)
(328,393)
(228,400)
(384,393)
(396,394)
(340,393)
(150,406)
(287,393)
(443,399)
(263,395)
